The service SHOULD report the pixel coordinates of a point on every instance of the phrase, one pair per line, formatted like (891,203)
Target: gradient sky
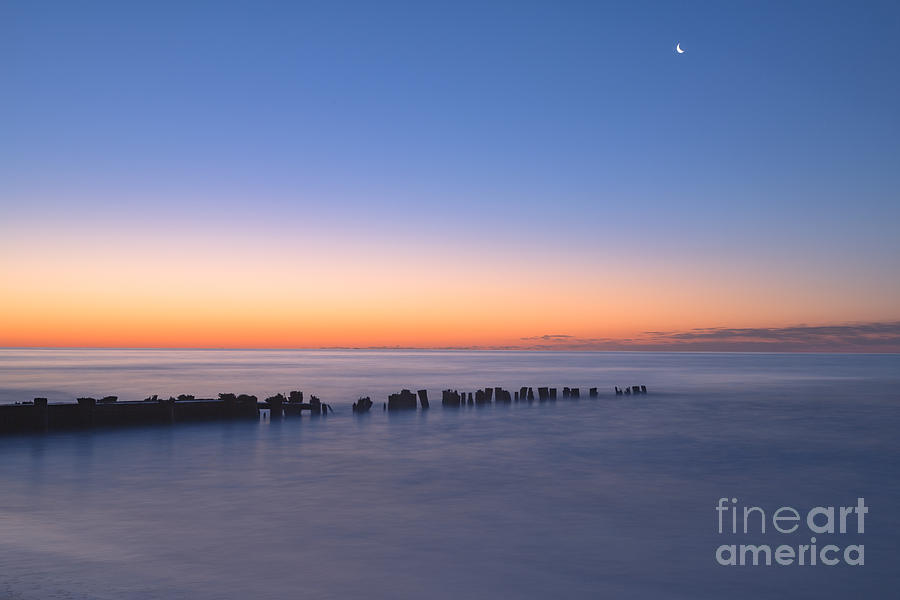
(452,174)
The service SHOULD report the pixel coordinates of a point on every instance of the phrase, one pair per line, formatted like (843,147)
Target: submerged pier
(84,413)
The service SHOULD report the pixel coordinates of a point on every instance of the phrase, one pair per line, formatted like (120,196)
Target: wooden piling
(167,410)
(86,408)
(276,405)
(41,414)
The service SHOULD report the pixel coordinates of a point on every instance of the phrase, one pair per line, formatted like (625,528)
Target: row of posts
(501,396)
(294,405)
(246,405)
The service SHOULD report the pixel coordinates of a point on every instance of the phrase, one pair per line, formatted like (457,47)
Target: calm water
(598,498)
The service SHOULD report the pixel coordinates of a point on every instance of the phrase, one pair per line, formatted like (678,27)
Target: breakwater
(41,415)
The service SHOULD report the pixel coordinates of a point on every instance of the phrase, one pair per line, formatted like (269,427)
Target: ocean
(613,497)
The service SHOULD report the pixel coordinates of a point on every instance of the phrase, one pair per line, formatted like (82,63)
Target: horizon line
(448,349)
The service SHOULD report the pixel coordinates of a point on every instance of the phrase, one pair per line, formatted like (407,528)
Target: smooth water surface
(611,497)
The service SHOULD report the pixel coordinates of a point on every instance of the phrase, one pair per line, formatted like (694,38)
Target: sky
(450,174)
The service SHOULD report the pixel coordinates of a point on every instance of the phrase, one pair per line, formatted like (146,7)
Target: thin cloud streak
(853,337)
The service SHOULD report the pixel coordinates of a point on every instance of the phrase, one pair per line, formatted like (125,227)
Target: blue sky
(778,106)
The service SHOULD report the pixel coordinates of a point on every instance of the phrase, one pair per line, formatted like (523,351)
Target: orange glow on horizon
(203,292)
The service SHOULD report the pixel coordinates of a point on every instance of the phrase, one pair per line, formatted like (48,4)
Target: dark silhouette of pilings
(405,400)
(451,398)
(363,405)
(276,406)
(232,406)
(229,402)
(86,408)
(293,404)
(42,414)
(319,408)
(635,389)
(166,410)
(245,407)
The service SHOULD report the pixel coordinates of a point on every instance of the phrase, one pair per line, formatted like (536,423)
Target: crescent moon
(678,48)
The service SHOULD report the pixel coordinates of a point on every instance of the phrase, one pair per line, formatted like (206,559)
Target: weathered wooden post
(167,410)
(228,404)
(362,405)
(291,406)
(247,406)
(552,394)
(423,398)
(593,392)
(41,414)
(405,400)
(86,411)
(450,398)
(276,406)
